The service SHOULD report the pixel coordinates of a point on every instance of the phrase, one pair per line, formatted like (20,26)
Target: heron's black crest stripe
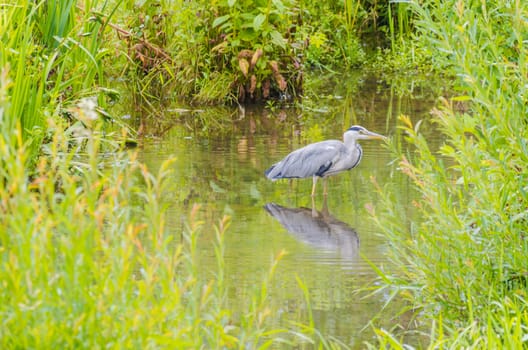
(355,128)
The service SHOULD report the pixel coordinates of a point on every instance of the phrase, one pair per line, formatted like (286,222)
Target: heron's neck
(350,141)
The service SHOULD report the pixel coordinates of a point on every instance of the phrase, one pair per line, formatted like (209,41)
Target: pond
(220,166)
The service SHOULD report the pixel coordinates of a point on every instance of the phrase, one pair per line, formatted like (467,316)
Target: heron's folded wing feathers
(314,159)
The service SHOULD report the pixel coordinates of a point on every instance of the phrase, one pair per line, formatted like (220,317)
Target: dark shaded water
(220,166)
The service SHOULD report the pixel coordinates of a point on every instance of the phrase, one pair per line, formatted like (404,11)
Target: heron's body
(322,159)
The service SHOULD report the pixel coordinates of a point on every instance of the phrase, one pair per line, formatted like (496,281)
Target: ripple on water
(327,248)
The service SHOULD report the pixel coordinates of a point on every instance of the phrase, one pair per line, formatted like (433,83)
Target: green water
(220,166)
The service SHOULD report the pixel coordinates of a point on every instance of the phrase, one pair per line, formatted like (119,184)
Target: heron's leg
(313,186)
(314,210)
(325,186)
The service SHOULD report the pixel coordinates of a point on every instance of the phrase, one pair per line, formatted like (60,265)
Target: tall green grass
(87,260)
(55,20)
(53,54)
(400,22)
(464,265)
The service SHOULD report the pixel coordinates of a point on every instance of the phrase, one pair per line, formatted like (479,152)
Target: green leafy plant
(254,40)
(88,259)
(464,264)
(51,62)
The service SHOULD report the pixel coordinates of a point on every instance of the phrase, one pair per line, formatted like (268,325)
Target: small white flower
(88,107)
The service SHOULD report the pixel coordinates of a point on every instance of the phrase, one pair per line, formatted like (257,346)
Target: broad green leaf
(216,188)
(219,20)
(247,17)
(279,5)
(277,39)
(247,34)
(257,22)
(231,3)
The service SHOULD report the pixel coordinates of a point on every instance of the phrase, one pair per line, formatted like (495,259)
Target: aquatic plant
(464,264)
(88,260)
(244,51)
(331,31)
(52,55)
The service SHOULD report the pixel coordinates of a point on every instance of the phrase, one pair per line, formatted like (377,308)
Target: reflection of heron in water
(317,228)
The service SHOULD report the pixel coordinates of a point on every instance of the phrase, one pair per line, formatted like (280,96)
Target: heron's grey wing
(314,159)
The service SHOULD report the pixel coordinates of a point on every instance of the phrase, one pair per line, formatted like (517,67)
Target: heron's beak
(373,136)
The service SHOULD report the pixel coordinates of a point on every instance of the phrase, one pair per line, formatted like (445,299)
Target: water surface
(220,166)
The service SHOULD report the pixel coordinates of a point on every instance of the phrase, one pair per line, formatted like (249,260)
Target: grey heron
(322,159)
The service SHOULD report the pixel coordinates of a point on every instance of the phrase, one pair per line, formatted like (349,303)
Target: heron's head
(357,132)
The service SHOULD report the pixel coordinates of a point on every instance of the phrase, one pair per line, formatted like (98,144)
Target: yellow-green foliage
(87,262)
(52,54)
(466,261)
